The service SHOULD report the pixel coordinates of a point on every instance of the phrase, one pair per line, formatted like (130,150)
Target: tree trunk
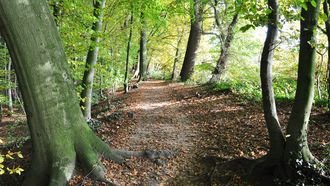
(58,130)
(193,42)
(148,64)
(297,146)
(143,50)
(326,4)
(9,91)
(222,61)
(136,66)
(274,129)
(128,50)
(87,82)
(177,56)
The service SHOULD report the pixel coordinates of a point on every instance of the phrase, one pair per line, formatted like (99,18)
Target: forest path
(200,128)
(205,129)
(161,123)
(160,120)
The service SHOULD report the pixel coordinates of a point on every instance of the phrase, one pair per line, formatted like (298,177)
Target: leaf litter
(208,133)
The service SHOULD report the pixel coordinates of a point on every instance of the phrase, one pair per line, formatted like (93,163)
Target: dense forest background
(167,25)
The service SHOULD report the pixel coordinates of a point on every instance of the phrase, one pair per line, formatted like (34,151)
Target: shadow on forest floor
(214,134)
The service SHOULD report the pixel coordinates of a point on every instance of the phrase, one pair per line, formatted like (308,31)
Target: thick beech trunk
(222,61)
(274,129)
(88,79)
(193,42)
(58,130)
(297,145)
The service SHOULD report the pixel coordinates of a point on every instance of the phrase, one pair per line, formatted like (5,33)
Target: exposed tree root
(89,156)
(266,171)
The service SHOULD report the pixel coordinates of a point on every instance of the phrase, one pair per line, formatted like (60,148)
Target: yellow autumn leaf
(9,156)
(2,171)
(19,154)
(18,170)
(11,171)
(2,159)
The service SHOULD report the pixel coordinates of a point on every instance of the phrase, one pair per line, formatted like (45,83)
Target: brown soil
(205,131)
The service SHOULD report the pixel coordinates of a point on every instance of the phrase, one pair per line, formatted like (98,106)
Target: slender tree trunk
(177,56)
(148,64)
(1,112)
(128,50)
(87,82)
(326,4)
(59,132)
(2,57)
(297,146)
(136,68)
(274,129)
(143,50)
(9,91)
(17,95)
(222,61)
(193,42)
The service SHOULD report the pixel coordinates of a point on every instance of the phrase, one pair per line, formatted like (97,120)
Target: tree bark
(193,42)
(274,129)
(177,56)
(143,50)
(87,82)
(58,130)
(128,50)
(9,91)
(136,66)
(222,61)
(297,146)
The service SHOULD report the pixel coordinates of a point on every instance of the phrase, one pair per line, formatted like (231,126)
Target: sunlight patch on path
(161,124)
(151,106)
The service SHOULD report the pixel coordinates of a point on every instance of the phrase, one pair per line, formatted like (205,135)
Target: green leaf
(313,3)
(304,6)
(246,27)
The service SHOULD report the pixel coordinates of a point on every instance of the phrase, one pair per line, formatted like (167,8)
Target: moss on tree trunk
(296,144)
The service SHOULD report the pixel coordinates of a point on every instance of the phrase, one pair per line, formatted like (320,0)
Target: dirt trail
(160,121)
(160,124)
(197,126)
